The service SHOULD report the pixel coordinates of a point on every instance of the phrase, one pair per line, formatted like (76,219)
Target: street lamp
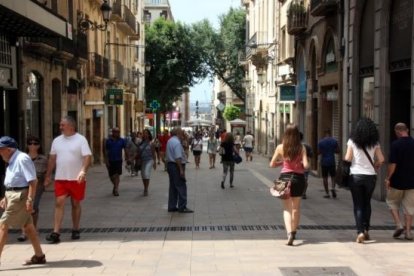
(137,73)
(86,24)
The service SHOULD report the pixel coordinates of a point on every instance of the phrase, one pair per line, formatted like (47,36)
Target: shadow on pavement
(61,264)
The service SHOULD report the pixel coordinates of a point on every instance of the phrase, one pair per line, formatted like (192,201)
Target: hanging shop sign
(287,93)
(114,96)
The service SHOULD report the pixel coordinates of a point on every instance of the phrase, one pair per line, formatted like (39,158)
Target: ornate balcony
(59,47)
(242,58)
(95,66)
(105,67)
(82,46)
(296,18)
(323,7)
(44,46)
(117,71)
(125,19)
(260,59)
(116,14)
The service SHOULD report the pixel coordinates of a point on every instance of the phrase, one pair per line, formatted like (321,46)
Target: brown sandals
(36,260)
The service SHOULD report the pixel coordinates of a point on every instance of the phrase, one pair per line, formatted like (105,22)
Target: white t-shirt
(248,141)
(197,145)
(69,151)
(360,162)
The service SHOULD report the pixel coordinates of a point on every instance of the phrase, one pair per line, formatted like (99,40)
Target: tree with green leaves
(177,62)
(231,112)
(222,48)
(182,55)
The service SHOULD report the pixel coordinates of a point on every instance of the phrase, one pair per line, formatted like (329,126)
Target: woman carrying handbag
(362,149)
(291,155)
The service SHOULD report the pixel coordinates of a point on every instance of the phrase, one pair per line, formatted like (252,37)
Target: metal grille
(5,51)
(208,228)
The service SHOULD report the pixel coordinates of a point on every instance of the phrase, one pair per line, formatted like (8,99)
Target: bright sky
(190,11)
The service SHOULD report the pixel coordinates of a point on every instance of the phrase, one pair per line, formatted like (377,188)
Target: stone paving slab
(235,231)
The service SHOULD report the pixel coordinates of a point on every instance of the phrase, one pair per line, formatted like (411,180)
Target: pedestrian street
(235,231)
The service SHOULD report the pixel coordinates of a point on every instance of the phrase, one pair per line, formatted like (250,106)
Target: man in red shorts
(163,146)
(71,155)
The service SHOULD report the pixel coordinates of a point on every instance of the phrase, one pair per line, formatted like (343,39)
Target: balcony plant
(296,14)
(296,8)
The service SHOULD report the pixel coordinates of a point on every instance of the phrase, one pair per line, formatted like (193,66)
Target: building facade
(318,62)
(262,19)
(378,68)
(66,64)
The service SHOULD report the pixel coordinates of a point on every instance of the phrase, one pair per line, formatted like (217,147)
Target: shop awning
(29,18)
(237,122)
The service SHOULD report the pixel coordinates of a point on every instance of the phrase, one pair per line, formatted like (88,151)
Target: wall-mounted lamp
(86,24)
(136,73)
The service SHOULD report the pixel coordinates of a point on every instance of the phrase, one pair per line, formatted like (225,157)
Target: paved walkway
(235,231)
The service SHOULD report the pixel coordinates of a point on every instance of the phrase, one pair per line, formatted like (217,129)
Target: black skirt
(298,183)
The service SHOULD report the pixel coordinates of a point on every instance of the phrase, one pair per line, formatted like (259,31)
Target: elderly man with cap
(20,182)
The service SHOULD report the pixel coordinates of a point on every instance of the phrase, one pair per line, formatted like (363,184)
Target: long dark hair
(365,133)
(229,138)
(292,145)
(149,134)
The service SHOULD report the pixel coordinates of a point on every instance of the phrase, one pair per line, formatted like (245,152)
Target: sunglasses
(33,143)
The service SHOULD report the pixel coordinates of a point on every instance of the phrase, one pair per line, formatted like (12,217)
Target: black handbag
(345,174)
(237,158)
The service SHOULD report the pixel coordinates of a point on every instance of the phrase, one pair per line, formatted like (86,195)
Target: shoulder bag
(343,173)
(281,188)
(237,158)
(369,158)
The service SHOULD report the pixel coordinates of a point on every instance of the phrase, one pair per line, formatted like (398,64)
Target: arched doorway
(56,106)
(329,118)
(400,33)
(313,123)
(365,101)
(301,91)
(33,105)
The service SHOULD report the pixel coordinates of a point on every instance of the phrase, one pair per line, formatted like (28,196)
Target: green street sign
(114,96)
(155,105)
(287,93)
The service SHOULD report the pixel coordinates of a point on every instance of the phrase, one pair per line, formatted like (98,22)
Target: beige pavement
(232,232)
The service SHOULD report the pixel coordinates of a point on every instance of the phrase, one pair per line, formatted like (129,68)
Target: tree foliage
(231,112)
(176,61)
(222,48)
(182,55)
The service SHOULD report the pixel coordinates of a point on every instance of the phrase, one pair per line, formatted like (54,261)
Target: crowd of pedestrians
(27,174)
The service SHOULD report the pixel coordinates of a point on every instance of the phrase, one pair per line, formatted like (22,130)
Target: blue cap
(7,142)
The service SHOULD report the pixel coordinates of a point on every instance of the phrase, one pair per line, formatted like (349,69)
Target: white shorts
(146,169)
(397,198)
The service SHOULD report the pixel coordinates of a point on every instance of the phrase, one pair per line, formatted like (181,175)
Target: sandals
(75,234)
(22,238)
(398,232)
(53,238)
(36,260)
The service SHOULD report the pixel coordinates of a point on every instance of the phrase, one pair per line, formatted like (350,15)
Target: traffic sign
(155,105)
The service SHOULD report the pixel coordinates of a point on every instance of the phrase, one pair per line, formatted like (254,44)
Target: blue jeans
(178,188)
(362,187)
(226,166)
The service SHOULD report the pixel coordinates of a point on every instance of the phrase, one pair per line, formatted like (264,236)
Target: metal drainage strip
(210,228)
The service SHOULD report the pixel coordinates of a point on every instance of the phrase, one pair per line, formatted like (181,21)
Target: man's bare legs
(59,210)
(31,234)
(115,181)
(76,214)
(4,232)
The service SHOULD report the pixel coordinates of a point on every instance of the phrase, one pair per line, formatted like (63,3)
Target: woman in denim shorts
(291,155)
